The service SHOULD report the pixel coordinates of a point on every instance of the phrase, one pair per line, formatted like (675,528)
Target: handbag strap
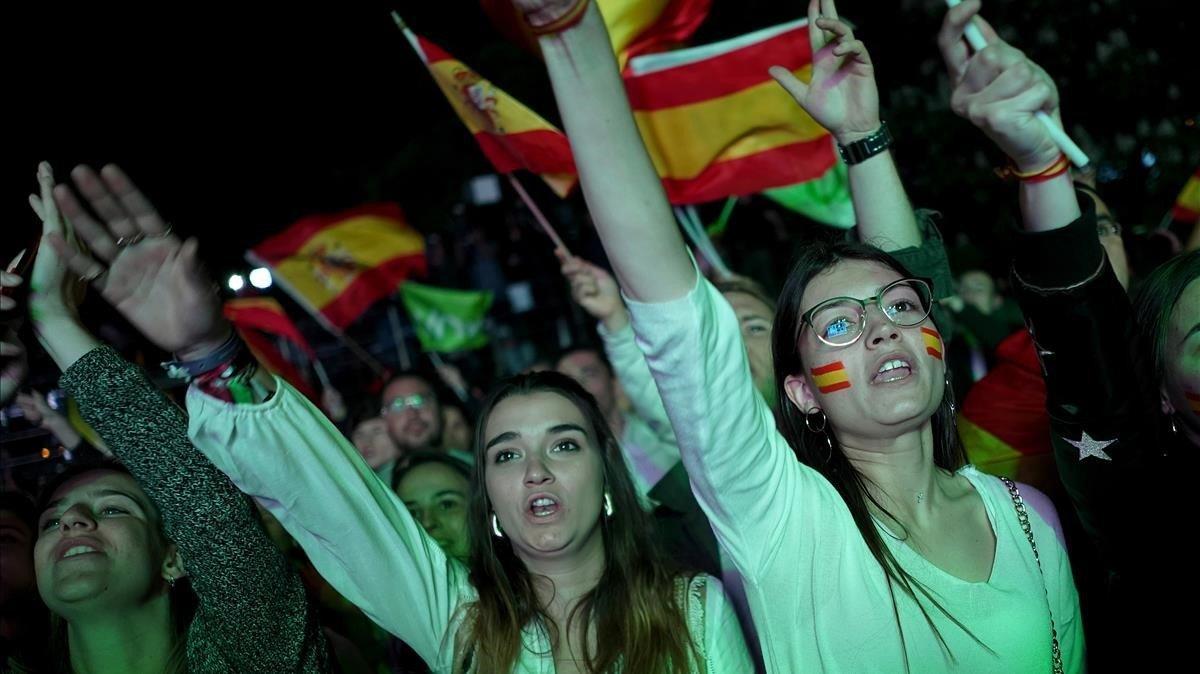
(1023,518)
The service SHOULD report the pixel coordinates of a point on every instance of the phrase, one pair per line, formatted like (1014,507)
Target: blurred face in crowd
(978,289)
(544,474)
(412,412)
(436,495)
(372,439)
(16,559)
(99,545)
(756,320)
(1181,385)
(589,369)
(884,384)
(1109,231)
(456,432)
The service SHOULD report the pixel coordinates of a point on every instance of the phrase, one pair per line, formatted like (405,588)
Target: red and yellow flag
(340,264)
(1003,422)
(933,342)
(716,124)
(1187,204)
(831,377)
(635,27)
(255,318)
(511,135)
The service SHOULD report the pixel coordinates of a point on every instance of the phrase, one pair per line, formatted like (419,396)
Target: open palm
(143,270)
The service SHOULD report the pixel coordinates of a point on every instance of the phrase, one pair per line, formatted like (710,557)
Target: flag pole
(537,214)
(398,337)
(352,346)
(691,226)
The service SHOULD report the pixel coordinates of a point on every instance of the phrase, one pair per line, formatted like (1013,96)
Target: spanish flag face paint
(933,342)
(831,377)
(1193,399)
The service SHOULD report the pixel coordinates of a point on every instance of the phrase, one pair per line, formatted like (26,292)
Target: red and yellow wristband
(1055,169)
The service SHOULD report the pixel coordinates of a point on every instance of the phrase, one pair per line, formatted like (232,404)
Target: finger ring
(126,241)
(89,278)
(165,234)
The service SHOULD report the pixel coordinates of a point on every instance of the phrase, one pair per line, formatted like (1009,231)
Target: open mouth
(892,370)
(543,506)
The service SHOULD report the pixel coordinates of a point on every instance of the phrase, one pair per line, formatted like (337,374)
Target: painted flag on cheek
(831,377)
(1193,399)
(933,342)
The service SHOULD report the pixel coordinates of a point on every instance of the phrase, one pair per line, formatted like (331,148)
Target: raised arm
(244,585)
(624,195)
(842,97)
(273,444)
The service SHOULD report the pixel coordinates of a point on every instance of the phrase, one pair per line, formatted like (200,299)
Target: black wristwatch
(862,150)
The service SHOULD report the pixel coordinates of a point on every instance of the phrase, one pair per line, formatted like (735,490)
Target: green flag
(826,199)
(447,320)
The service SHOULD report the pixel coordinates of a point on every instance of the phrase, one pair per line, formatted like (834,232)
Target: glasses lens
(400,404)
(906,302)
(838,322)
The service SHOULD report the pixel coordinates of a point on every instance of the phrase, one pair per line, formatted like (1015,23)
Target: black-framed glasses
(415,402)
(840,321)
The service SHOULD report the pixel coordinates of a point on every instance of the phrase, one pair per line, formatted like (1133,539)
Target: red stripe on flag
(433,53)
(826,369)
(834,387)
(268,319)
(701,81)
(1184,214)
(370,286)
(672,28)
(286,243)
(541,151)
(791,164)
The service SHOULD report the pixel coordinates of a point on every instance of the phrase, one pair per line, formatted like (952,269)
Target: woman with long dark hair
(563,576)
(877,550)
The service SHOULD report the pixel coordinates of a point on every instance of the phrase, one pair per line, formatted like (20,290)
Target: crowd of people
(726,482)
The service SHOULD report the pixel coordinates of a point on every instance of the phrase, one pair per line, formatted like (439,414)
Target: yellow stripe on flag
(480,104)
(333,257)
(686,139)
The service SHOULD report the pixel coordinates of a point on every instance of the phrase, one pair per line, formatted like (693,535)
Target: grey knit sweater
(253,615)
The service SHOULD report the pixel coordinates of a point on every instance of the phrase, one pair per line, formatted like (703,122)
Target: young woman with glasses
(878,550)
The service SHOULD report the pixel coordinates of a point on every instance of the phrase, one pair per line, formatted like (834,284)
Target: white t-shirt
(820,600)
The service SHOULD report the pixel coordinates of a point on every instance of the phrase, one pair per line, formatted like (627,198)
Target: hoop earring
(496,527)
(608,507)
(819,429)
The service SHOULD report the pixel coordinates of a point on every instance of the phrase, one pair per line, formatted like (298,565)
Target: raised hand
(136,263)
(841,96)
(999,90)
(595,290)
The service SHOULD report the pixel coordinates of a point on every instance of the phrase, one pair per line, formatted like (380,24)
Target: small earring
(496,527)
(608,509)
(171,582)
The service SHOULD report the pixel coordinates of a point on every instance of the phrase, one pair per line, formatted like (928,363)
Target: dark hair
(183,600)
(746,286)
(1154,304)
(633,609)
(813,450)
(414,459)
(584,348)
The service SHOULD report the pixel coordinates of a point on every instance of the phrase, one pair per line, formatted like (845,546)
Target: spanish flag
(511,135)
(1003,422)
(933,342)
(635,27)
(255,318)
(716,124)
(831,377)
(338,265)
(1187,204)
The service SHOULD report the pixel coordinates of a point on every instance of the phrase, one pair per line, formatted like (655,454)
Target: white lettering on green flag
(445,319)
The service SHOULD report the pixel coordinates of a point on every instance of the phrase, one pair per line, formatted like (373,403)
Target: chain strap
(1023,518)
